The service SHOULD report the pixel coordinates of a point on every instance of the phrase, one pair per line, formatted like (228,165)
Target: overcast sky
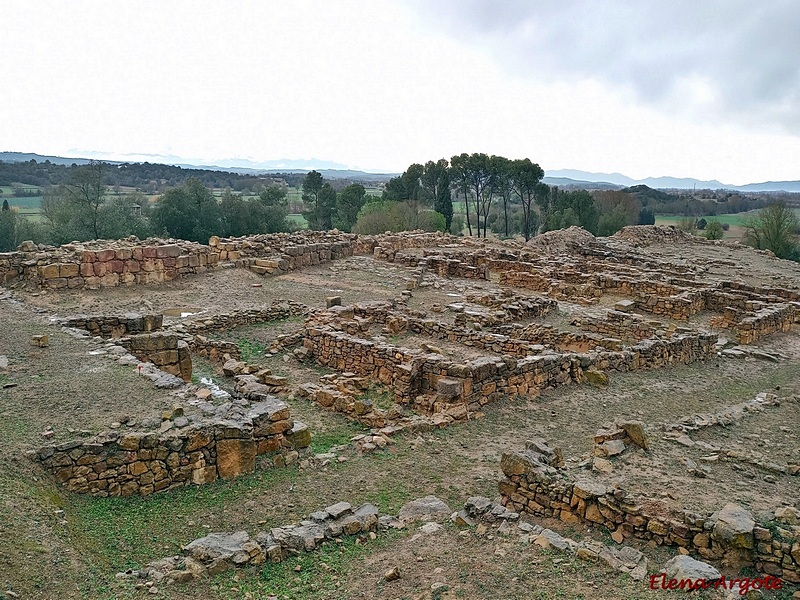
(706,89)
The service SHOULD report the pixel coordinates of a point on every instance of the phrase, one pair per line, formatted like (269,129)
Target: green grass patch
(25,205)
(337,435)
(323,442)
(297,220)
(125,533)
(392,496)
(380,396)
(309,576)
(251,350)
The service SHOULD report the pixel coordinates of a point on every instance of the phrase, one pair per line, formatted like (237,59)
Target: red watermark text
(744,584)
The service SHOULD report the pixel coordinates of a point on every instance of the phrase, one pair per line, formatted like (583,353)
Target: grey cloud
(748,50)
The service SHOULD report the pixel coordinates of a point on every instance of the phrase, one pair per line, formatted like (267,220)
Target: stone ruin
(537,483)
(653,324)
(428,388)
(185,451)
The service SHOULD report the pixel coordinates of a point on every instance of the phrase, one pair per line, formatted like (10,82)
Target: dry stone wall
(533,485)
(104,263)
(111,326)
(164,349)
(563,341)
(210,555)
(621,325)
(282,309)
(431,383)
(767,320)
(110,263)
(125,464)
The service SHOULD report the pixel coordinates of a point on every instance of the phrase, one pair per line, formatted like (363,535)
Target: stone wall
(620,325)
(448,267)
(109,263)
(111,326)
(106,263)
(431,383)
(532,485)
(164,349)
(210,555)
(281,309)
(125,464)
(767,320)
(389,365)
(563,341)
(215,351)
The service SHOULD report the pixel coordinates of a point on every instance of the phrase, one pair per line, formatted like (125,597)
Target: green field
(298,221)
(8,190)
(29,206)
(26,204)
(735,219)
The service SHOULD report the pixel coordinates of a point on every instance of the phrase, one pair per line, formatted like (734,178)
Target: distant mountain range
(331,170)
(565,177)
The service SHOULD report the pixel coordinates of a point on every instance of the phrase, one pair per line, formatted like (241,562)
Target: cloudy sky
(706,89)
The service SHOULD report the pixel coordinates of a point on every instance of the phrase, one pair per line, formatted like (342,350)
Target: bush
(611,222)
(430,220)
(774,229)
(714,230)
(389,215)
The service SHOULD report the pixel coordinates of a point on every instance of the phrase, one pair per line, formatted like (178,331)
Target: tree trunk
(505,214)
(466,205)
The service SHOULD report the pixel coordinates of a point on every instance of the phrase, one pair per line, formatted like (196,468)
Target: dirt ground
(57,545)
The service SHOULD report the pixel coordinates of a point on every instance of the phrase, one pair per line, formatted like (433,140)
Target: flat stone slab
(428,508)
(217,545)
(686,567)
(340,509)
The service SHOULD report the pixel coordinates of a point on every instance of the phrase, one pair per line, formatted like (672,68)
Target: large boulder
(549,455)
(299,435)
(734,527)
(529,463)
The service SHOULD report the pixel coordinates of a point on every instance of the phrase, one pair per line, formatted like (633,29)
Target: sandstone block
(299,435)
(49,271)
(235,457)
(734,527)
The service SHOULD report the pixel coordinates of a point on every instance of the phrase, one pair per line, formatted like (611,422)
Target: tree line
(147,177)
(83,208)
(507,196)
(470,193)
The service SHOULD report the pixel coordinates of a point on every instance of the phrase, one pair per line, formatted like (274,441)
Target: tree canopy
(775,228)
(188,212)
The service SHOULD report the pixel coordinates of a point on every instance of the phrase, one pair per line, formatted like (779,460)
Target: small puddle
(182,311)
(216,391)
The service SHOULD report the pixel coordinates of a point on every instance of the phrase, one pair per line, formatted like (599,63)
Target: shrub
(714,230)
